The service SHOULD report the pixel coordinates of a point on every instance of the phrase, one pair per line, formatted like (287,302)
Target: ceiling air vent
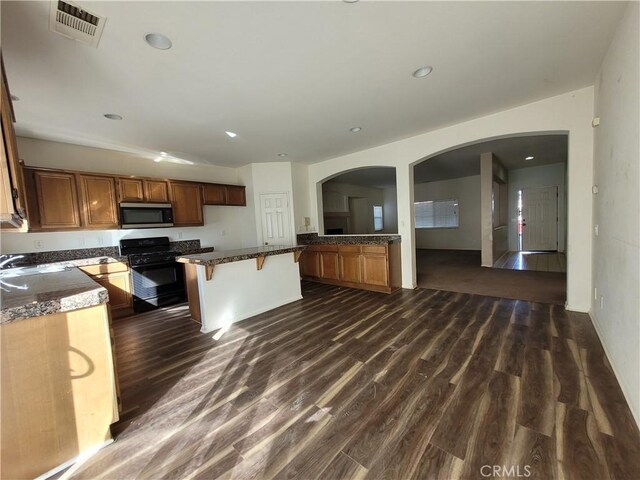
(72,21)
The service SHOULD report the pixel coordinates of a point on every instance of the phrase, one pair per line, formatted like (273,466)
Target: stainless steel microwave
(146,215)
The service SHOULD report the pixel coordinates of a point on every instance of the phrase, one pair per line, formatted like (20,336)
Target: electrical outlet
(601,302)
(100,240)
(39,244)
(224,233)
(180,235)
(81,242)
(596,229)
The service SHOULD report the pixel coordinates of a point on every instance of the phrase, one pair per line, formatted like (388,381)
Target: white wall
(570,112)
(616,258)
(467,235)
(300,184)
(541,176)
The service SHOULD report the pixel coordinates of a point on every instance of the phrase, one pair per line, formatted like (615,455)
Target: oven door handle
(133,267)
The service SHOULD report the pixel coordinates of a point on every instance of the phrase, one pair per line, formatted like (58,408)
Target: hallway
(533,261)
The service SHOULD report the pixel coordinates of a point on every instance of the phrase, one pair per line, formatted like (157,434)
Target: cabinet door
(374,270)
(187,204)
(156,191)
(119,287)
(57,200)
(351,267)
(13,186)
(329,265)
(130,190)
(98,201)
(214,194)
(310,264)
(236,195)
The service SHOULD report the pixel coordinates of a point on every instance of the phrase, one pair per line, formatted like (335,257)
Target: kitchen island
(225,287)
(58,384)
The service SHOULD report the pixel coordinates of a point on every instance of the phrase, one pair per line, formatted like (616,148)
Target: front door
(275,219)
(540,218)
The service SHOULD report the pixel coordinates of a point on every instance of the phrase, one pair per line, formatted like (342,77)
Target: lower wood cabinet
(116,278)
(369,267)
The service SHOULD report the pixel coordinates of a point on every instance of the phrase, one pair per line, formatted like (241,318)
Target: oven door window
(141,215)
(152,280)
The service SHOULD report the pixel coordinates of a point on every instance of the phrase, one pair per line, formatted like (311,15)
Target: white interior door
(540,218)
(274,209)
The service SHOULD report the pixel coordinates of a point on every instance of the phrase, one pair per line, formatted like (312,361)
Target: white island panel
(238,290)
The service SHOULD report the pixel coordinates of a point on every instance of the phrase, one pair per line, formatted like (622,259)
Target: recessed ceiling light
(282,154)
(157,159)
(15,98)
(231,134)
(350,1)
(355,129)
(164,154)
(113,116)
(158,40)
(423,71)
(529,158)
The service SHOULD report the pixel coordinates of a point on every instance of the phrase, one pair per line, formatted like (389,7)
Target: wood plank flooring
(533,261)
(347,384)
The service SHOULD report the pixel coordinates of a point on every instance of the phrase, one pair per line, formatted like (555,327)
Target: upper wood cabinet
(56,200)
(13,211)
(142,190)
(214,194)
(236,195)
(98,201)
(186,199)
(156,191)
(130,190)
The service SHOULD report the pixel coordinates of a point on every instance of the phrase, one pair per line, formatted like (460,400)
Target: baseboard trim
(625,391)
(75,462)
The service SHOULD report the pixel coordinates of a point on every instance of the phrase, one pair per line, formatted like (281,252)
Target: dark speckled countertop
(35,291)
(315,239)
(216,258)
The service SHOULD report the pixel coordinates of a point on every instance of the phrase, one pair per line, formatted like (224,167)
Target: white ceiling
(292,76)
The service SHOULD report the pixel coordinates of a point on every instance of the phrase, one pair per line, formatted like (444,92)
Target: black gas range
(157,279)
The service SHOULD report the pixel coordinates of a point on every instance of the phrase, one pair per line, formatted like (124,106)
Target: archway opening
(491,218)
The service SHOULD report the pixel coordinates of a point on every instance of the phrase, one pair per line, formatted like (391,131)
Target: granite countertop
(315,239)
(35,291)
(216,258)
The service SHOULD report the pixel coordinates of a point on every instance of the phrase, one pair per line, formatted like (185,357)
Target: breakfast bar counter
(225,287)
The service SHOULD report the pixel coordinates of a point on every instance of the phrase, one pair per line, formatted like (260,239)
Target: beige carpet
(460,271)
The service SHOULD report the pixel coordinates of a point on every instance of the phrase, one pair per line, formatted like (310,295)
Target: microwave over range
(146,215)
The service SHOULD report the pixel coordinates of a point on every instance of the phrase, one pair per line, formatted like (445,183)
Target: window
(377,218)
(436,214)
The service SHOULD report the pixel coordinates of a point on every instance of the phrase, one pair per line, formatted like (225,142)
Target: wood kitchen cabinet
(156,191)
(142,190)
(130,190)
(236,195)
(368,267)
(214,194)
(55,206)
(186,199)
(13,211)
(116,278)
(98,201)
(350,261)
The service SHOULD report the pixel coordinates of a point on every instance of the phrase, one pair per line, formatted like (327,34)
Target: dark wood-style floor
(353,384)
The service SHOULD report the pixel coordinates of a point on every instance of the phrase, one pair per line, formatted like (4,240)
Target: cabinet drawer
(349,248)
(105,268)
(323,248)
(381,249)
